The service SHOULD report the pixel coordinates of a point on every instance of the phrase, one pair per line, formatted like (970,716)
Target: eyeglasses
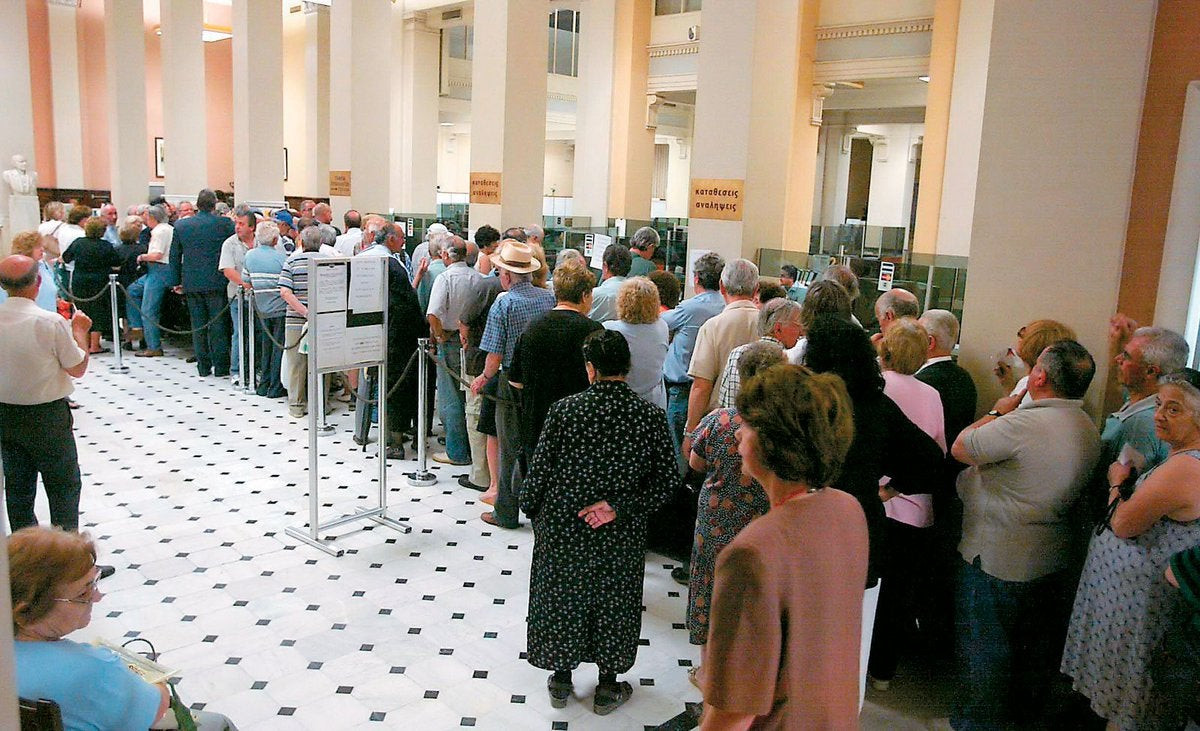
(88,596)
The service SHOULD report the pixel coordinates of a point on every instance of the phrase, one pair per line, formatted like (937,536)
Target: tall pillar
(64,84)
(125,58)
(316,98)
(359,104)
(185,126)
(16,130)
(632,169)
(1032,259)
(508,110)
(415,124)
(258,102)
(746,130)
(594,109)
(937,123)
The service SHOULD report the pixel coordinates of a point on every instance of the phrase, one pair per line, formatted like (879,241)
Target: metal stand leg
(248,368)
(116,322)
(422,477)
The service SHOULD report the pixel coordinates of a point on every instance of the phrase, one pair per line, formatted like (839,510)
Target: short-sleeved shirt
(641,266)
(347,244)
(684,323)
(36,347)
(731,379)
(647,351)
(604,299)
(92,686)
(294,276)
(1132,424)
(262,268)
(451,293)
(1029,468)
(510,317)
(736,325)
(160,241)
(233,256)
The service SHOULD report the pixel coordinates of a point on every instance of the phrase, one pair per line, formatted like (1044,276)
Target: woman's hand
(1118,473)
(1004,373)
(598,514)
(886,493)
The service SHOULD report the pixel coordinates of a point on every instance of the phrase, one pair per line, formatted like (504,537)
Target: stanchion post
(241,335)
(422,476)
(116,322)
(248,368)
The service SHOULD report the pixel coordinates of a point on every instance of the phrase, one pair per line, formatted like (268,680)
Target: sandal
(694,676)
(609,698)
(560,693)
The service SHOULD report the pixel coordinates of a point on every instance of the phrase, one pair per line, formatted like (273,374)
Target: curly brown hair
(804,422)
(637,301)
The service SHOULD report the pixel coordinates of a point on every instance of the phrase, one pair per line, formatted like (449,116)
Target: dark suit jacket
(957,390)
(196,250)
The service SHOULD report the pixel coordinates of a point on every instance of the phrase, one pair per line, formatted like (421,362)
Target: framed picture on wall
(285,164)
(159,158)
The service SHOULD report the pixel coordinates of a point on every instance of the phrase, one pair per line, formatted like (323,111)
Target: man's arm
(293,301)
(80,324)
(491,366)
(435,327)
(1004,406)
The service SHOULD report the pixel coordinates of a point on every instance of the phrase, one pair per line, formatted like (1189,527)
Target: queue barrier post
(116,323)
(422,477)
(248,320)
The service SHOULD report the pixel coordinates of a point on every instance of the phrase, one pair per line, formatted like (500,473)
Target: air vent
(452,14)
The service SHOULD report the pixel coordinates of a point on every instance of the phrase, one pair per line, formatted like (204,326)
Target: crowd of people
(850,510)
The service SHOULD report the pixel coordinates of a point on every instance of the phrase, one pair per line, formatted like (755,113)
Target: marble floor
(189,485)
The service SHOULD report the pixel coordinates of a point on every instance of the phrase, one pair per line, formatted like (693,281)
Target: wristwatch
(994,413)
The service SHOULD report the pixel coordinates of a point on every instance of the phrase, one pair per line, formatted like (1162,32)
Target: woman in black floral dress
(603,464)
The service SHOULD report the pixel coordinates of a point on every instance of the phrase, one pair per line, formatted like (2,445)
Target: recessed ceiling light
(446,124)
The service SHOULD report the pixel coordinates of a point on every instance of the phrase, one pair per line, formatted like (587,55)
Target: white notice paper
(365,344)
(366,284)
(331,340)
(331,286)
(887,274)
(600,242)
(692,256)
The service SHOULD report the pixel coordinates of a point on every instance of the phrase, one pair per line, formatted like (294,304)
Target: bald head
(18,276)
(893,305)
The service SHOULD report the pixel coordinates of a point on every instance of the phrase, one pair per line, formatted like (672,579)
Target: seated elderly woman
(1123,603)
(783,643)
(638,319)
(32,244)
(52,577)
(779,325)
(729,498)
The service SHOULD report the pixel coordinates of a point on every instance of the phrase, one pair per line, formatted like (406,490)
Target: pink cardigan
(922,404)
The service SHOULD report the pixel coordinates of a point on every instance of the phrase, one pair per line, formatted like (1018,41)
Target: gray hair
(707,271)
(518,277)
(1164,349)
(844,276)
(472,253)
(740,278)
(775,312)
(245,211)
(535,230)
(158,213)
(221,208)
(566,255)
(757,357)
(942,326)
(328,234)
(266,233)
(1069,368)
(436,243)
(311,238)
(24,281)
(456,249)
(644,238)
(136,209)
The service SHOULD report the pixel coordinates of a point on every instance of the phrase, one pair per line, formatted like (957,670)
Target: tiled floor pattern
(188,486)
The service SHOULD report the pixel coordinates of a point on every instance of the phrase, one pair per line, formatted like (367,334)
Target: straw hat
(516,257)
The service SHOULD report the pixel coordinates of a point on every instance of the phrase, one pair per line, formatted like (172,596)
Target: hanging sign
(485,188)
(887,273)
(339,182)
(716,198)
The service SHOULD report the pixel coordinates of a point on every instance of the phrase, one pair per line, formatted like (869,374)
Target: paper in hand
(1130,456)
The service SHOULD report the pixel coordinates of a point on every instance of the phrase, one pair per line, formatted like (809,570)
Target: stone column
(125,57)
(16,135)
(937,123)
(754,122)
(316,98)
(1050,209)
(415,123)
(594,109)
(258,103)
(360,102)
(185,127)
(632,167)
(508,109)
(64,84)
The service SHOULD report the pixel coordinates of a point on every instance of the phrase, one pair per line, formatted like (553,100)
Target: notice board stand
(347,330)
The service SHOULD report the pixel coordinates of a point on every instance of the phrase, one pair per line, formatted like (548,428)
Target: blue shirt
(47,296)
(685,321)
(604,299)
(511,316)
(797,292)
(91,685)
(263,265)
(110,235)
(1133,424)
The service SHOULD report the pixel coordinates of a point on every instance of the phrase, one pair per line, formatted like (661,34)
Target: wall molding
(863,30)
(671,82)
(895,67)
(664,50)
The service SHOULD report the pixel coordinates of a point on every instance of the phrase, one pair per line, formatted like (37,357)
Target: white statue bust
(19,179)
(19,209)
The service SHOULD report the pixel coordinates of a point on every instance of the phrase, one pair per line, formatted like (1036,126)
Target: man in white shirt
(146,294)
(452,291)
(348,243)
(42,352)
(233,256)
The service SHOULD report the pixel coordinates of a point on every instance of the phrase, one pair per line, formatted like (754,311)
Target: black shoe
(681,574)
(106,571)
(191,359)
(560,692)
(609,698)
(394,453)
(465,481)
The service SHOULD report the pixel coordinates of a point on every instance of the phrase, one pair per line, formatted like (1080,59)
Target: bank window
(458,42)
(671,7)
(562,52)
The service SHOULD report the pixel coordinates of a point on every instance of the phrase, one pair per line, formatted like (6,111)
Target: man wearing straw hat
(509,317)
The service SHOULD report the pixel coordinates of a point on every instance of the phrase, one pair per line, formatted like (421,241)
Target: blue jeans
(146,296)
(451,406)
(210,331)
(235,356)
(677,407)
(1009,642)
